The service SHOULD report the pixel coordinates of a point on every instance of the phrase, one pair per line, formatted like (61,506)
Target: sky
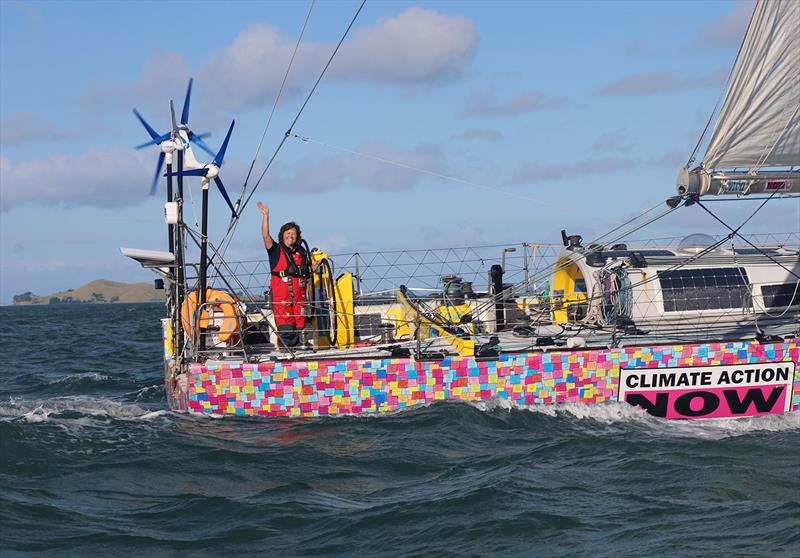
(543,115)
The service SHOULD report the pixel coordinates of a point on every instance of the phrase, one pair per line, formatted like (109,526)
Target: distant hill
(99,291)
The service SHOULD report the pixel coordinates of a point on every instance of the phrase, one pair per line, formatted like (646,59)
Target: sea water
(93,464)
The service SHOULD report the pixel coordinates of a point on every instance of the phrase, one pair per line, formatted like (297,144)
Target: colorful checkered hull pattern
(351,387)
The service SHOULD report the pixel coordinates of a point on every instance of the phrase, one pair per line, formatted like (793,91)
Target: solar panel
(780,296)
(704,289)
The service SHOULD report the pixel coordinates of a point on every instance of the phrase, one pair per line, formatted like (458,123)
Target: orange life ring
(225,313)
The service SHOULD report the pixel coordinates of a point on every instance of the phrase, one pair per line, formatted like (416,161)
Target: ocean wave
(618,413)
(75,408)
(80,378)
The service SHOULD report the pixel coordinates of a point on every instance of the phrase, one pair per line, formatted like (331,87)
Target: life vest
(293,263)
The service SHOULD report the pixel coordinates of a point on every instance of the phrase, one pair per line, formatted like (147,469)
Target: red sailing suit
(288,286)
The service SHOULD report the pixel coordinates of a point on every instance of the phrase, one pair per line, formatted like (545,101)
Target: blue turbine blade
(159,164)
(146,144)
(204,135)
(222,191)
(185,113)
(156,141)
(190,172)
(153,133)
(221,155)
(200,143)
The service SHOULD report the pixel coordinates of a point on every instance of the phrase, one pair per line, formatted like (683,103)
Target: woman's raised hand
(263,209)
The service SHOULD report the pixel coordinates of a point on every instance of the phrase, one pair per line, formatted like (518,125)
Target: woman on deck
(291,269)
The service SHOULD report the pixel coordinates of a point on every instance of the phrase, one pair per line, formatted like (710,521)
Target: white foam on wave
(147,389)
(622,414)
(716,429)
(80,377)
(53,409)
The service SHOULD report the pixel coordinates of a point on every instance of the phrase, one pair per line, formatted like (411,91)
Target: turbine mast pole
(203,257)
(170,228)
(179,264)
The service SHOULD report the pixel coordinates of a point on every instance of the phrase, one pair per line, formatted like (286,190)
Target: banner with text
(710,391)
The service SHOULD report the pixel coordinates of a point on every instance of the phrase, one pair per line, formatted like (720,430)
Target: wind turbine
(207,171)
(169,143)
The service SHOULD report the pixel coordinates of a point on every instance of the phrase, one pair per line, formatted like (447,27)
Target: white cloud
(729,28)
(111,177)
(484,104)
(163,72)
(539,171)
(117,177)
(647,82)
(638,48)
(21,127)
(674,159)
(619,141)
(417,46)
(249,71)
(333,172)
(529,172)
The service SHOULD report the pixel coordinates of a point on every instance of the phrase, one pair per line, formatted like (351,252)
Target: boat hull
(691,381)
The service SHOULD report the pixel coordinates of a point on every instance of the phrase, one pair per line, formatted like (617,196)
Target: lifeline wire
(428,172)
(540,276)
(727,82)
(476,185)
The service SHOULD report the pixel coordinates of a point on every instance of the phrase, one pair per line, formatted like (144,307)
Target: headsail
(758,127)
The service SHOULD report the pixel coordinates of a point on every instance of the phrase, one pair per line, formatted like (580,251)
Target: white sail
(759,122)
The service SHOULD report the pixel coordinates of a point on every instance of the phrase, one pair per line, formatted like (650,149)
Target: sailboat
(702,327)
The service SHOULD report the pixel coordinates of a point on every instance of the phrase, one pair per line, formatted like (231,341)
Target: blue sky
(572,115)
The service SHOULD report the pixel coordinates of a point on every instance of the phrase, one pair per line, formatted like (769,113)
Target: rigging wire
(287,134)
(194,206)
(224,244)
(714,246)
(782,196)
(277,99)
(545,273)
(735,232)
(548,272)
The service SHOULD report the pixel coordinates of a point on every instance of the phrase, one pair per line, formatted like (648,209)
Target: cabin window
(704,289)
(781,296)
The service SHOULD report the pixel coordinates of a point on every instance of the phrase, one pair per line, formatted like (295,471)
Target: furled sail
(758,126)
